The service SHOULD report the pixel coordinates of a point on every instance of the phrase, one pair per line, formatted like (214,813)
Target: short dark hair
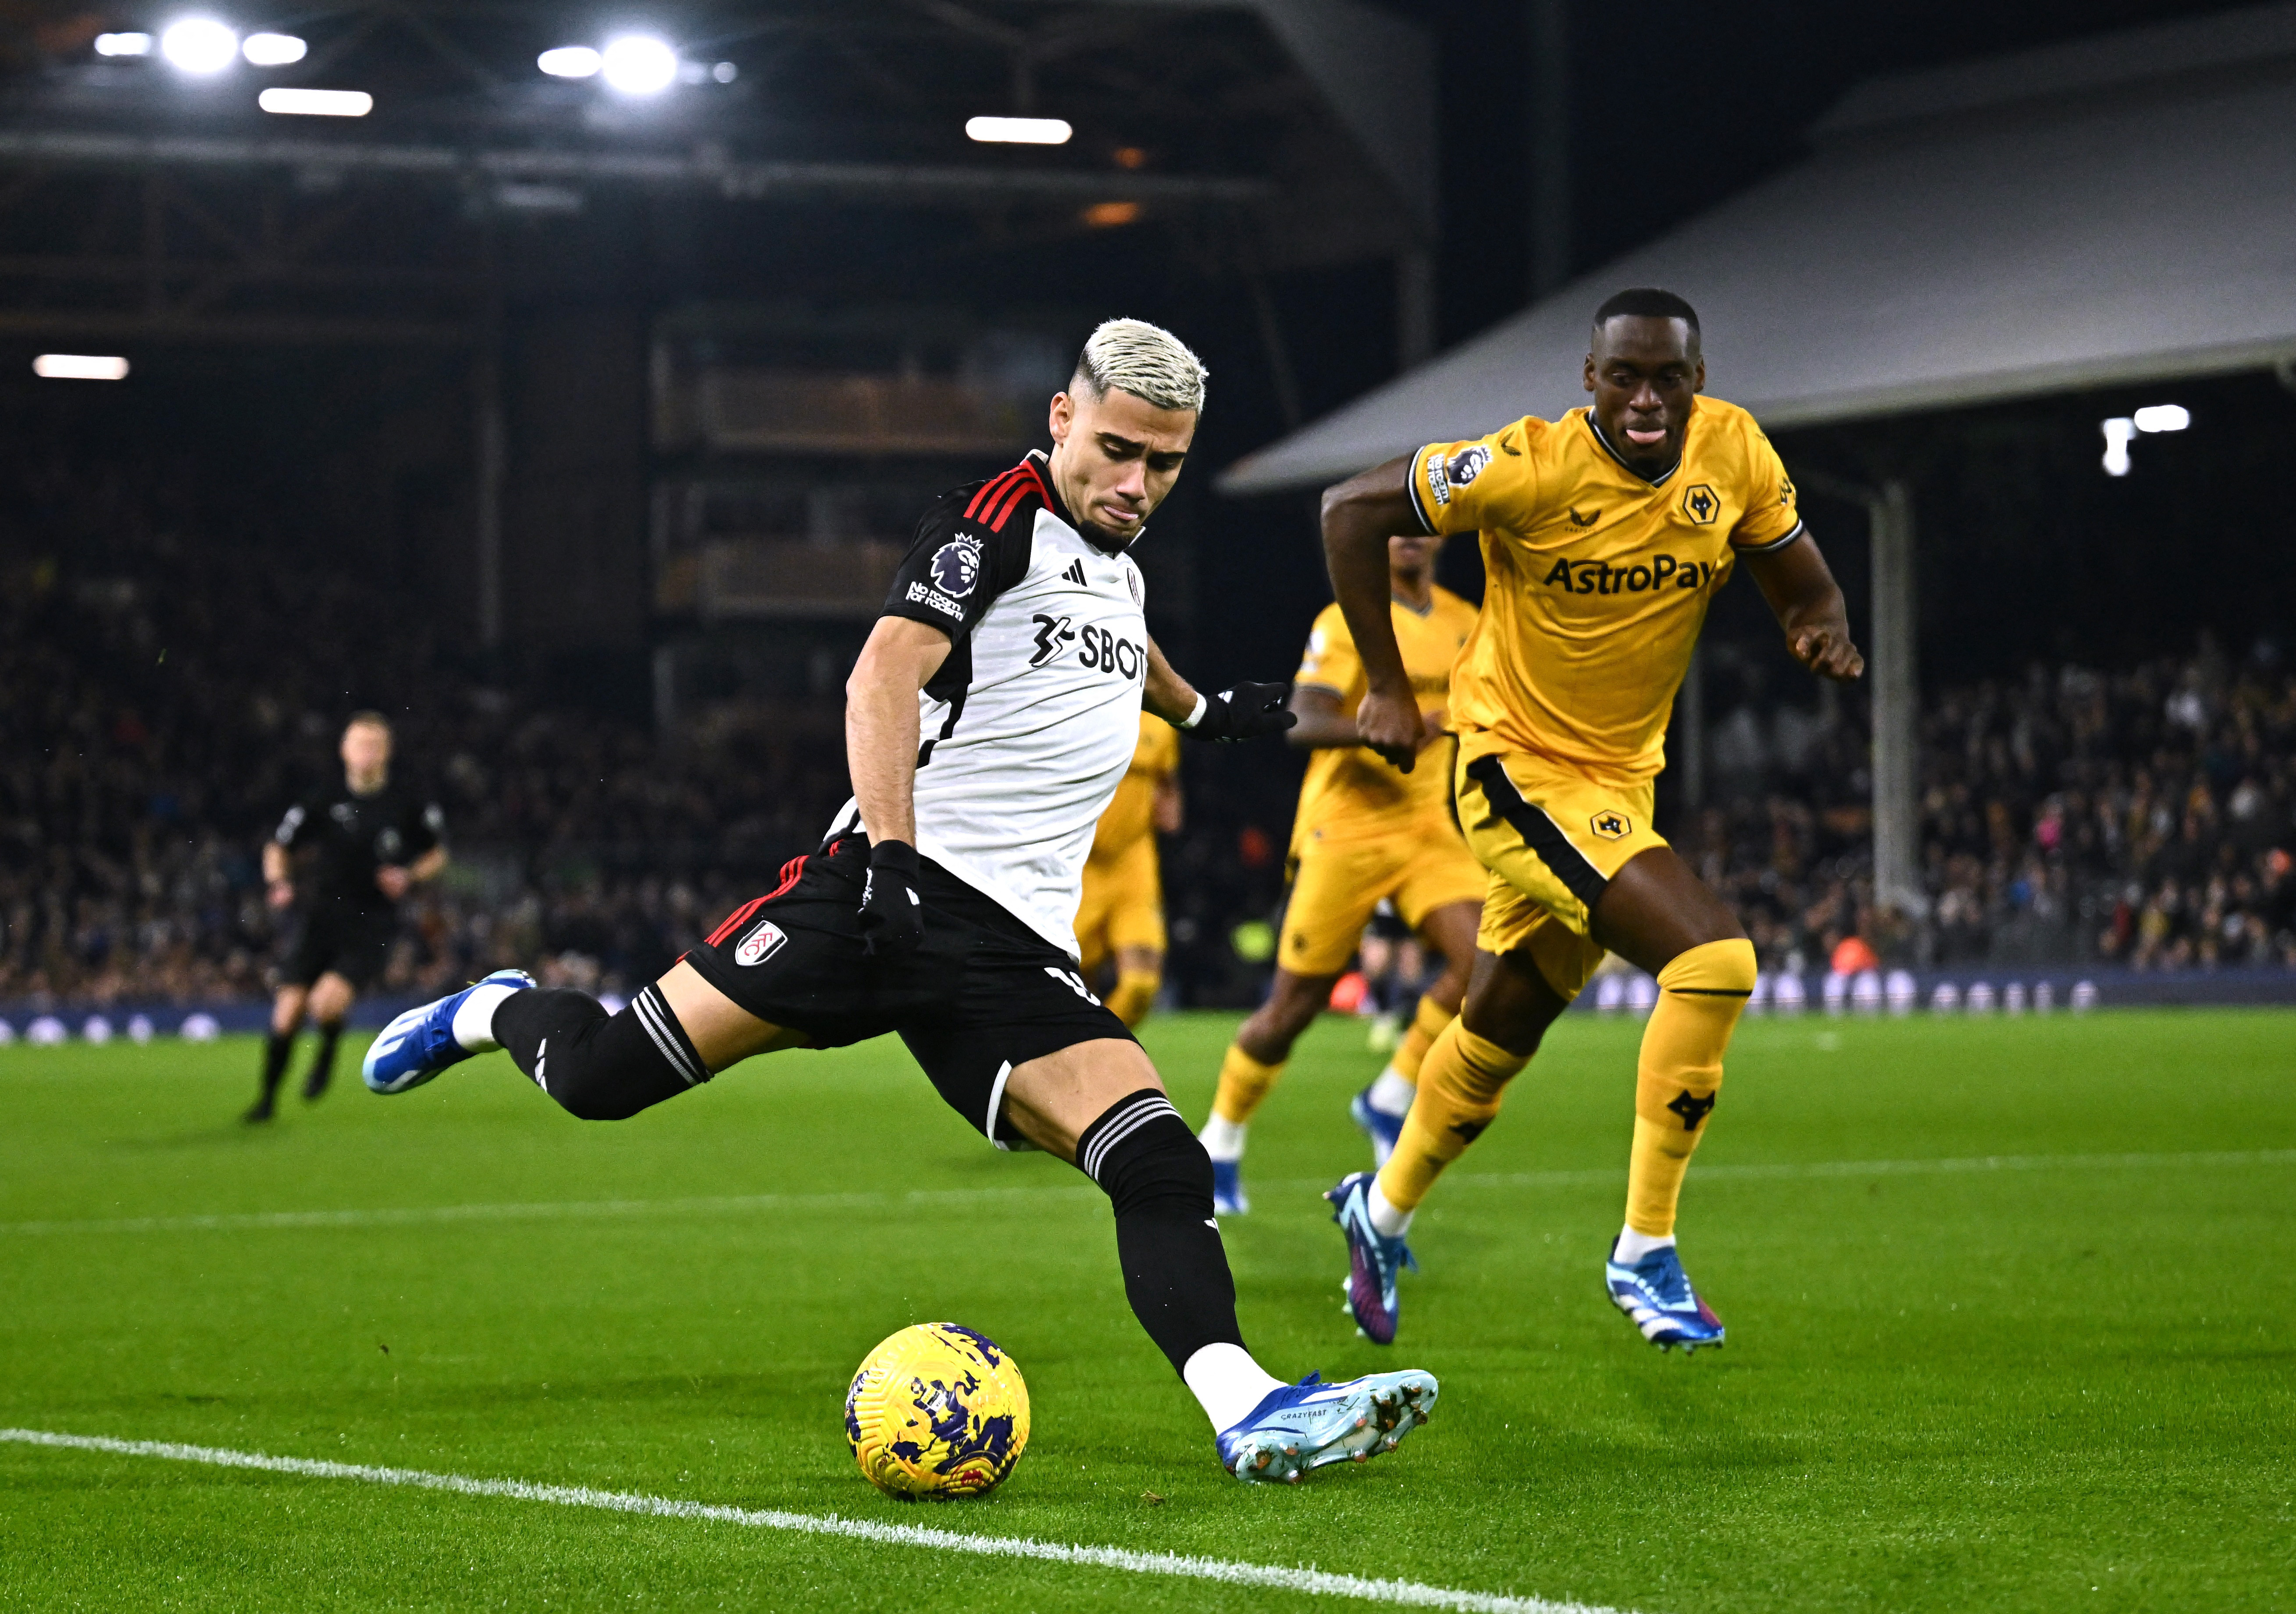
(1647,302)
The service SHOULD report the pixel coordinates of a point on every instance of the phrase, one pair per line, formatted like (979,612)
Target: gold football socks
(1700,995)
(1243,1083)
(1460,1087)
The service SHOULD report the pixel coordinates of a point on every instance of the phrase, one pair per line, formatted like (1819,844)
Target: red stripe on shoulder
(991,491)
(1035,484)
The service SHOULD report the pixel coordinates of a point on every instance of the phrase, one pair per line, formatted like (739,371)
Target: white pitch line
(1313,1583)
(703,1204)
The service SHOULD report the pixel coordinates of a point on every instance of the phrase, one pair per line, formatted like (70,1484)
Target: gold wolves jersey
(1597,580)
(1349,792)
(1131,815)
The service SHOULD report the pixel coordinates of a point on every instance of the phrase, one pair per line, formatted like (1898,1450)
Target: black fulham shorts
(984,995)
(354,943)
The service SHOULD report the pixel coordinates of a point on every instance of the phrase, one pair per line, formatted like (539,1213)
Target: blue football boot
(1382,1129)
(1306,1425)
(1373,1260)
(1228,1198)
(420,1043)
(1656,1296)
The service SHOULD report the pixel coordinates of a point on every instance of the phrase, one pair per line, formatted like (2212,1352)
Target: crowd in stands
(2141,818)
(164,698)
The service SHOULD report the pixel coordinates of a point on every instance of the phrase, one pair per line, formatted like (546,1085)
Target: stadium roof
(2106,212)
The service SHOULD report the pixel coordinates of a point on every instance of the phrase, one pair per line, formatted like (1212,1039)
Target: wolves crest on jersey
(1031,723)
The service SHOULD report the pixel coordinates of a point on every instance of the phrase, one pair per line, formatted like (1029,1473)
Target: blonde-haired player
(1122,913)
(1366,832)
(1604,536)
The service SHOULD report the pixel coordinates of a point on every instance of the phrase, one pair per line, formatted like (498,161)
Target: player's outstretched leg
(599,1067)
(1701,992)
(420,1043)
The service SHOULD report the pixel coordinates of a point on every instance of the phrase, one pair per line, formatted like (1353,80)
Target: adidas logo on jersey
(1074,573)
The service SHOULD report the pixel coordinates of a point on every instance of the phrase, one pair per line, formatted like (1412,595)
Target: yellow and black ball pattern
(937,1410)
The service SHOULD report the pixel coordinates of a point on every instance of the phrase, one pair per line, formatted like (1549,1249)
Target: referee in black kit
(369,843)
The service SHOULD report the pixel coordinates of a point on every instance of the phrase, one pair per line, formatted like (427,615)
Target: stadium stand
(2140,818)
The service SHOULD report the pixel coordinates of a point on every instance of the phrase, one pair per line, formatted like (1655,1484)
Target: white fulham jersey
(1028,726)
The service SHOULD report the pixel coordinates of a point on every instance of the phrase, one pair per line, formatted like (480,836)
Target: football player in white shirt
(988,721)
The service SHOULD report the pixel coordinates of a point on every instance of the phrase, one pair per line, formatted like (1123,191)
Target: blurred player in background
(1604,536)
(368,841)
(1122,915)
(1364,832)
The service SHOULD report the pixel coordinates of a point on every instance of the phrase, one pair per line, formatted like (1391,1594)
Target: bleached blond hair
(1144,360)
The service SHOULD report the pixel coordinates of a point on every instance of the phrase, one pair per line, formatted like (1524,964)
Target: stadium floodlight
(316,103)
(1018,131)
(2119,432)
(80,367)
(570,61)
(123,44)
(639,64)
(272,50)
(200,45)
(2163,417)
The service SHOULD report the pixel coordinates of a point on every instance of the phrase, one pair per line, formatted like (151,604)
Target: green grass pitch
(2064,1382)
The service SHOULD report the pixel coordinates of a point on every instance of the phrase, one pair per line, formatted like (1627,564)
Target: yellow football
(936,1411)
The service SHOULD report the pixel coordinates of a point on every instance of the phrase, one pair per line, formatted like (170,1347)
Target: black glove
(1245,712)
(892,920)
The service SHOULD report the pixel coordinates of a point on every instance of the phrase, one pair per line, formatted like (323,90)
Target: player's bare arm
(1166,694)
(880,722)
(1244,711)
(1359,514)
(1808,603)
(1324,723)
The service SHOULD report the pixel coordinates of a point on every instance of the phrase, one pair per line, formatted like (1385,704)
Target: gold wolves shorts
(1551,838)
(1123,903)
(1335,885)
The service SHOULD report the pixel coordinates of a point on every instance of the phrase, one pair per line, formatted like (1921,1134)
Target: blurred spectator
(2141,817)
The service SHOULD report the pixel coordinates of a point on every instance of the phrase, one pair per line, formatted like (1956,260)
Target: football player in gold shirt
(1364,832)
(1122,912)
(1604,536)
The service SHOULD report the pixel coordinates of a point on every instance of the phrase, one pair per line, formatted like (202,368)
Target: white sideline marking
(703,1204)
(1315,1582)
